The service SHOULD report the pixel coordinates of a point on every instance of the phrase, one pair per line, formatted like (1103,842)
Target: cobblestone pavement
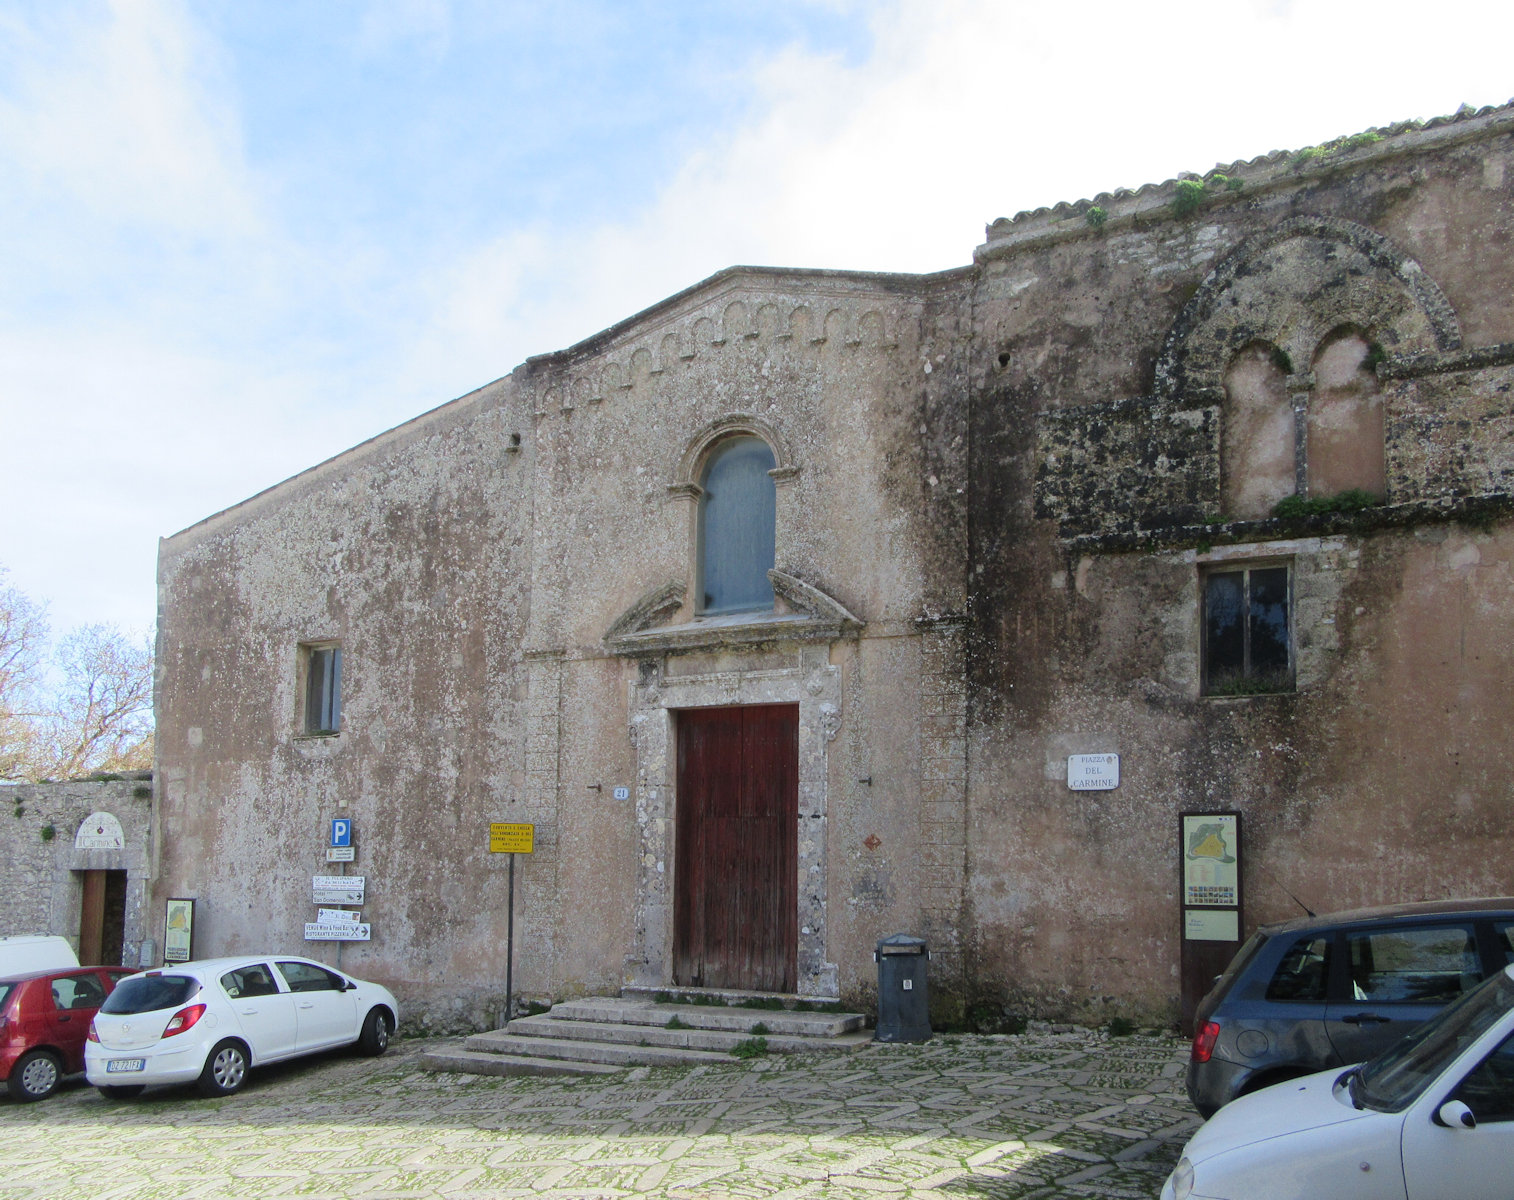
(1041,1115)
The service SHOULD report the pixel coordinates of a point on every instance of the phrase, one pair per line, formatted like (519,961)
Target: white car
(1432,1118)
(210,1021)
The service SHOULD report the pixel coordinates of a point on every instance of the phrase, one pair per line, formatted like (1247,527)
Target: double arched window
(738,508)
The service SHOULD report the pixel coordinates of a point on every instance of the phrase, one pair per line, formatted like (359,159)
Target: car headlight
(1182,1180)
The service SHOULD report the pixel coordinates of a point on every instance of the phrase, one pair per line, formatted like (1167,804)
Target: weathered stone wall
(413,552)
(41,885)
(473,565)
(1368,782)
(998,490)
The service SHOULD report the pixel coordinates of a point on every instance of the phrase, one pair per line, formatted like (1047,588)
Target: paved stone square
(1039,1115)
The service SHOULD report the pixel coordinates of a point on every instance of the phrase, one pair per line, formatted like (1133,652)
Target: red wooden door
(735,872)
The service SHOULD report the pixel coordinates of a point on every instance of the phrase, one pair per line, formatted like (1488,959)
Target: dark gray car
(1320,992)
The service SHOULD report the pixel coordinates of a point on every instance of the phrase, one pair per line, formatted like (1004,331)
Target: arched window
(1257,441)
(737,511)
(1345,419)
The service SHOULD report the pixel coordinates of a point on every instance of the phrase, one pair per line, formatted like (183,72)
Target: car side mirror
(1456,1115)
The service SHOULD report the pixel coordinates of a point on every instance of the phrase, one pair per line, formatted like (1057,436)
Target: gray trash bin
(903,995)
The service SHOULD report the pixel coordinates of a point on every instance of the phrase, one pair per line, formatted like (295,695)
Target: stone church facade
(779,608)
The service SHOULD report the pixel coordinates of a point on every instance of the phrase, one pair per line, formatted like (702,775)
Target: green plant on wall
(49,832)
(1096,216)
(1351,500)
(1340,145)
(1187,197)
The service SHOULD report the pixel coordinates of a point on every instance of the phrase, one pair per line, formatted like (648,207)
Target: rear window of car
(1303,975)
(150,993)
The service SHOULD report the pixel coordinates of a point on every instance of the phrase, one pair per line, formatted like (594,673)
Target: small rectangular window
(323,689)
(1248,621)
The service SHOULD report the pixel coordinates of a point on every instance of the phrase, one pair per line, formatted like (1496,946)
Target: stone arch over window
(732,470)
(1291,285)
(1258,439)
(1344,429)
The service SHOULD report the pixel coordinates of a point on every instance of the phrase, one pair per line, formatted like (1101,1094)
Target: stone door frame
(808,680)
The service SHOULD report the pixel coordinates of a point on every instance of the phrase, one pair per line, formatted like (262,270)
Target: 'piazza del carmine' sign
(1093,772)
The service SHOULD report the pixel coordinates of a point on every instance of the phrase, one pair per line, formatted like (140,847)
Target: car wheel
(374,1039)
(121,1091)
(35,1075)
(225,1070)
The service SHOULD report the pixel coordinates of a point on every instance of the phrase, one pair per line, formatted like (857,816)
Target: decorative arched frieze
(641,367)
(1291,285)
(836,328)
(760,321)
(735,326)
(872,330)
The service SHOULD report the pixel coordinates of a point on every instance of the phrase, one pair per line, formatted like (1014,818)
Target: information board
(511,838)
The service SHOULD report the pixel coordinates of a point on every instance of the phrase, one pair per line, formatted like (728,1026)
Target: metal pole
(510,948)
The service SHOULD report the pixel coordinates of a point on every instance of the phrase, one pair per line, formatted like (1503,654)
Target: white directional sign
(337,931)
(337,889)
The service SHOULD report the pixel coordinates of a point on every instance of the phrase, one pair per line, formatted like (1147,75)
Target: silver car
(210,1021)
(1432,1118)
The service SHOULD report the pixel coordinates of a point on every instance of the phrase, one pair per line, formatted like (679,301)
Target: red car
(44,1020)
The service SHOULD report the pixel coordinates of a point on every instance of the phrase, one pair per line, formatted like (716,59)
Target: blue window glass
(323,689)
(737,514)
(1247,648)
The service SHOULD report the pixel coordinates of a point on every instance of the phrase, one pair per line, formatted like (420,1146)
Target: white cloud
(173,344)
(966,110)
(120,118)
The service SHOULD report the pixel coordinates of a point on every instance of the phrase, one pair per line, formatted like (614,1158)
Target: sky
(240,236)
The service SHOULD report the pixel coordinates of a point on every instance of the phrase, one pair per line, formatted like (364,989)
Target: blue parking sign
(341,831)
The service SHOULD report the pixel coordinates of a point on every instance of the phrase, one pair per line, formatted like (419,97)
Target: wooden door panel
(91,918)
(735,893)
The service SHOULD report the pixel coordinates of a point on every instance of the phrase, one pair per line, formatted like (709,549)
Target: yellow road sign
(508,838)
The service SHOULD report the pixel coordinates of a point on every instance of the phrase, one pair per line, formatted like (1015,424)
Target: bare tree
(91,713)
(23,636)
(101,716)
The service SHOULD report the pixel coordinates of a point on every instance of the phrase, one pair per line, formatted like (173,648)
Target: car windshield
(148,993)
(1394,1079)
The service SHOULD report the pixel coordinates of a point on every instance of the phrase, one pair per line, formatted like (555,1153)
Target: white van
(24,953)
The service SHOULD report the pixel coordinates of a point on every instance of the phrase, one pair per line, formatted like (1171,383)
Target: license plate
(124,1064)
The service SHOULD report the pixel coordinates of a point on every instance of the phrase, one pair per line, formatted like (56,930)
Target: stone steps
(605,1033)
